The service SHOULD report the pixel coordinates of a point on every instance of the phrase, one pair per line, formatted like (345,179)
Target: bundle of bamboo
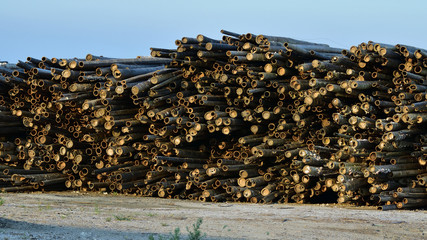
(246,118)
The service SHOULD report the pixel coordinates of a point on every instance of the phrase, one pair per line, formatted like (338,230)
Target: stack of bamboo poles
(246,118)
(72,114)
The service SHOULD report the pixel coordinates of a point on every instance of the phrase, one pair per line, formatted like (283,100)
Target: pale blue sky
(66,29)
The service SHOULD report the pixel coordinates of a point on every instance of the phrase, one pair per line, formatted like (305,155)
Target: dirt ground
(99,216)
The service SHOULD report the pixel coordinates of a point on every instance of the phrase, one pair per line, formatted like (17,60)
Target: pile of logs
(246,118)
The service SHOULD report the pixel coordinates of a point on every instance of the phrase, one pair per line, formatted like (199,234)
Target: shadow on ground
(11,229)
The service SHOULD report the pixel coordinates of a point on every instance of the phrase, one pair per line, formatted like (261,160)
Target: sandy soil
(99,216)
